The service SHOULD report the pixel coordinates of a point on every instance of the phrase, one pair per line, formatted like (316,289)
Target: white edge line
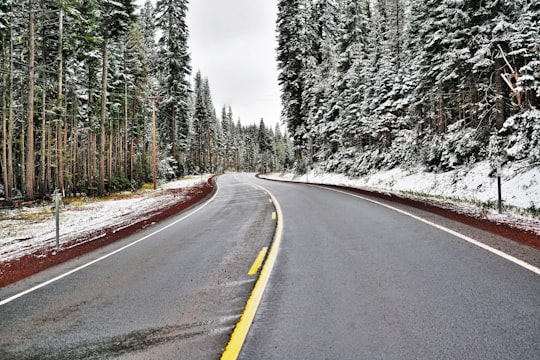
(59,277)
(515,260)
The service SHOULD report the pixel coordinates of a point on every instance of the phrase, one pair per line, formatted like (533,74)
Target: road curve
(355,280)
(172,291)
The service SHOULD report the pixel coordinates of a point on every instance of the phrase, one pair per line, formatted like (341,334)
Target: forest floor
(28,234)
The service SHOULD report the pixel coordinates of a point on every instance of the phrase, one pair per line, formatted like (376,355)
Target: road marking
(515,260)
(232,351)
(258,261)
(270,200)
(28,291)
(273,215)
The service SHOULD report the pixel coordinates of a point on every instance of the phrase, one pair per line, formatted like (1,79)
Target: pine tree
(290,56)
(320,76)
(352,69)
(30,155)
(174,64)
(5,41)
(116,18)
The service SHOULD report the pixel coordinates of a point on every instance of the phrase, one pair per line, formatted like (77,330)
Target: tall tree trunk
(43,189)
(500,87)
(4,120)
(110,152)
(75,155)
(102,137)
(30,170)
(91,135)
(59,127)
(48,174)
(91,159)
(209,145)
(173,134)
(126,143)
(11,115)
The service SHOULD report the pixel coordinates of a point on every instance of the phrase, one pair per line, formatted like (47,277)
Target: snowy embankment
(469,190)
(29,230)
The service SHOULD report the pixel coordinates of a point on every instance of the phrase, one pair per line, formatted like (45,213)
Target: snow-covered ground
(520,185)
(472,189)
(30,229)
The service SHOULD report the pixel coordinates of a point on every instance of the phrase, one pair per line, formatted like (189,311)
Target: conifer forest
(95,92)
(375,84)
(88,87)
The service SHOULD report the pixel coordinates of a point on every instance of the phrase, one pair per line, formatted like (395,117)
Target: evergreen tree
(115,17)
(525,45)
(290,56)
(174,64)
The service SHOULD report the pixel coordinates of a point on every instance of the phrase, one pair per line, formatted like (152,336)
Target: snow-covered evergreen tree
(291,23)
(174,65)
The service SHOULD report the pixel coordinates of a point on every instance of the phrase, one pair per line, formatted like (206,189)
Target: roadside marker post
(57,217)
(499,188)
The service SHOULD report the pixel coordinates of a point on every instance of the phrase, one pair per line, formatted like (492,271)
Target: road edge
(514,234)
(43,259)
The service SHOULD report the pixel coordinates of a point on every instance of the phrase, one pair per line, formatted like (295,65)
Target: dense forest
(84,81)
(375,84)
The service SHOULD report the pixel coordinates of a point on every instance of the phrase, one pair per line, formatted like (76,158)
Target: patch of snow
(466,188)
(30,229)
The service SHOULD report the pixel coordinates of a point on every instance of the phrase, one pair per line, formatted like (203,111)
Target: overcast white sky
(233,43)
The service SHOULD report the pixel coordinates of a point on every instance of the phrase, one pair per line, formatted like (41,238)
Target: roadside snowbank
(476,184)
(30,229)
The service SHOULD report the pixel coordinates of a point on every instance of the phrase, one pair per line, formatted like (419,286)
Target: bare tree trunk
(91,135)
(30,170)
(131,160)
(209,144)
(75,155)
(4,122)
(91,158)
(59,125)
(102,137)
(173,134)
(59,156)
(11,115)
(126,128)
(43,189)
(48,174)
(110,152)
(500,116)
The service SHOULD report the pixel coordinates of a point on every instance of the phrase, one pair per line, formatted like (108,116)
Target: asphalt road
(355,280)
(352,280)
(176,295)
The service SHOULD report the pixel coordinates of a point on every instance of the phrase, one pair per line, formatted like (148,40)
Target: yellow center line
(232,351)
(258,261)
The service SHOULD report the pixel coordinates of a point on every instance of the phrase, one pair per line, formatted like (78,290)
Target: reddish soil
(15,270)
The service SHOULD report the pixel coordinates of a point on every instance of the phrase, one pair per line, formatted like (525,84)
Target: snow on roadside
(30,229)
(464,189)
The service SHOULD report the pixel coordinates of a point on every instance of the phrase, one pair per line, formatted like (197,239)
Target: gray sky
(233,43)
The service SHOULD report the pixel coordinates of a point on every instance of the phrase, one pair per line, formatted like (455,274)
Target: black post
(499,197)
